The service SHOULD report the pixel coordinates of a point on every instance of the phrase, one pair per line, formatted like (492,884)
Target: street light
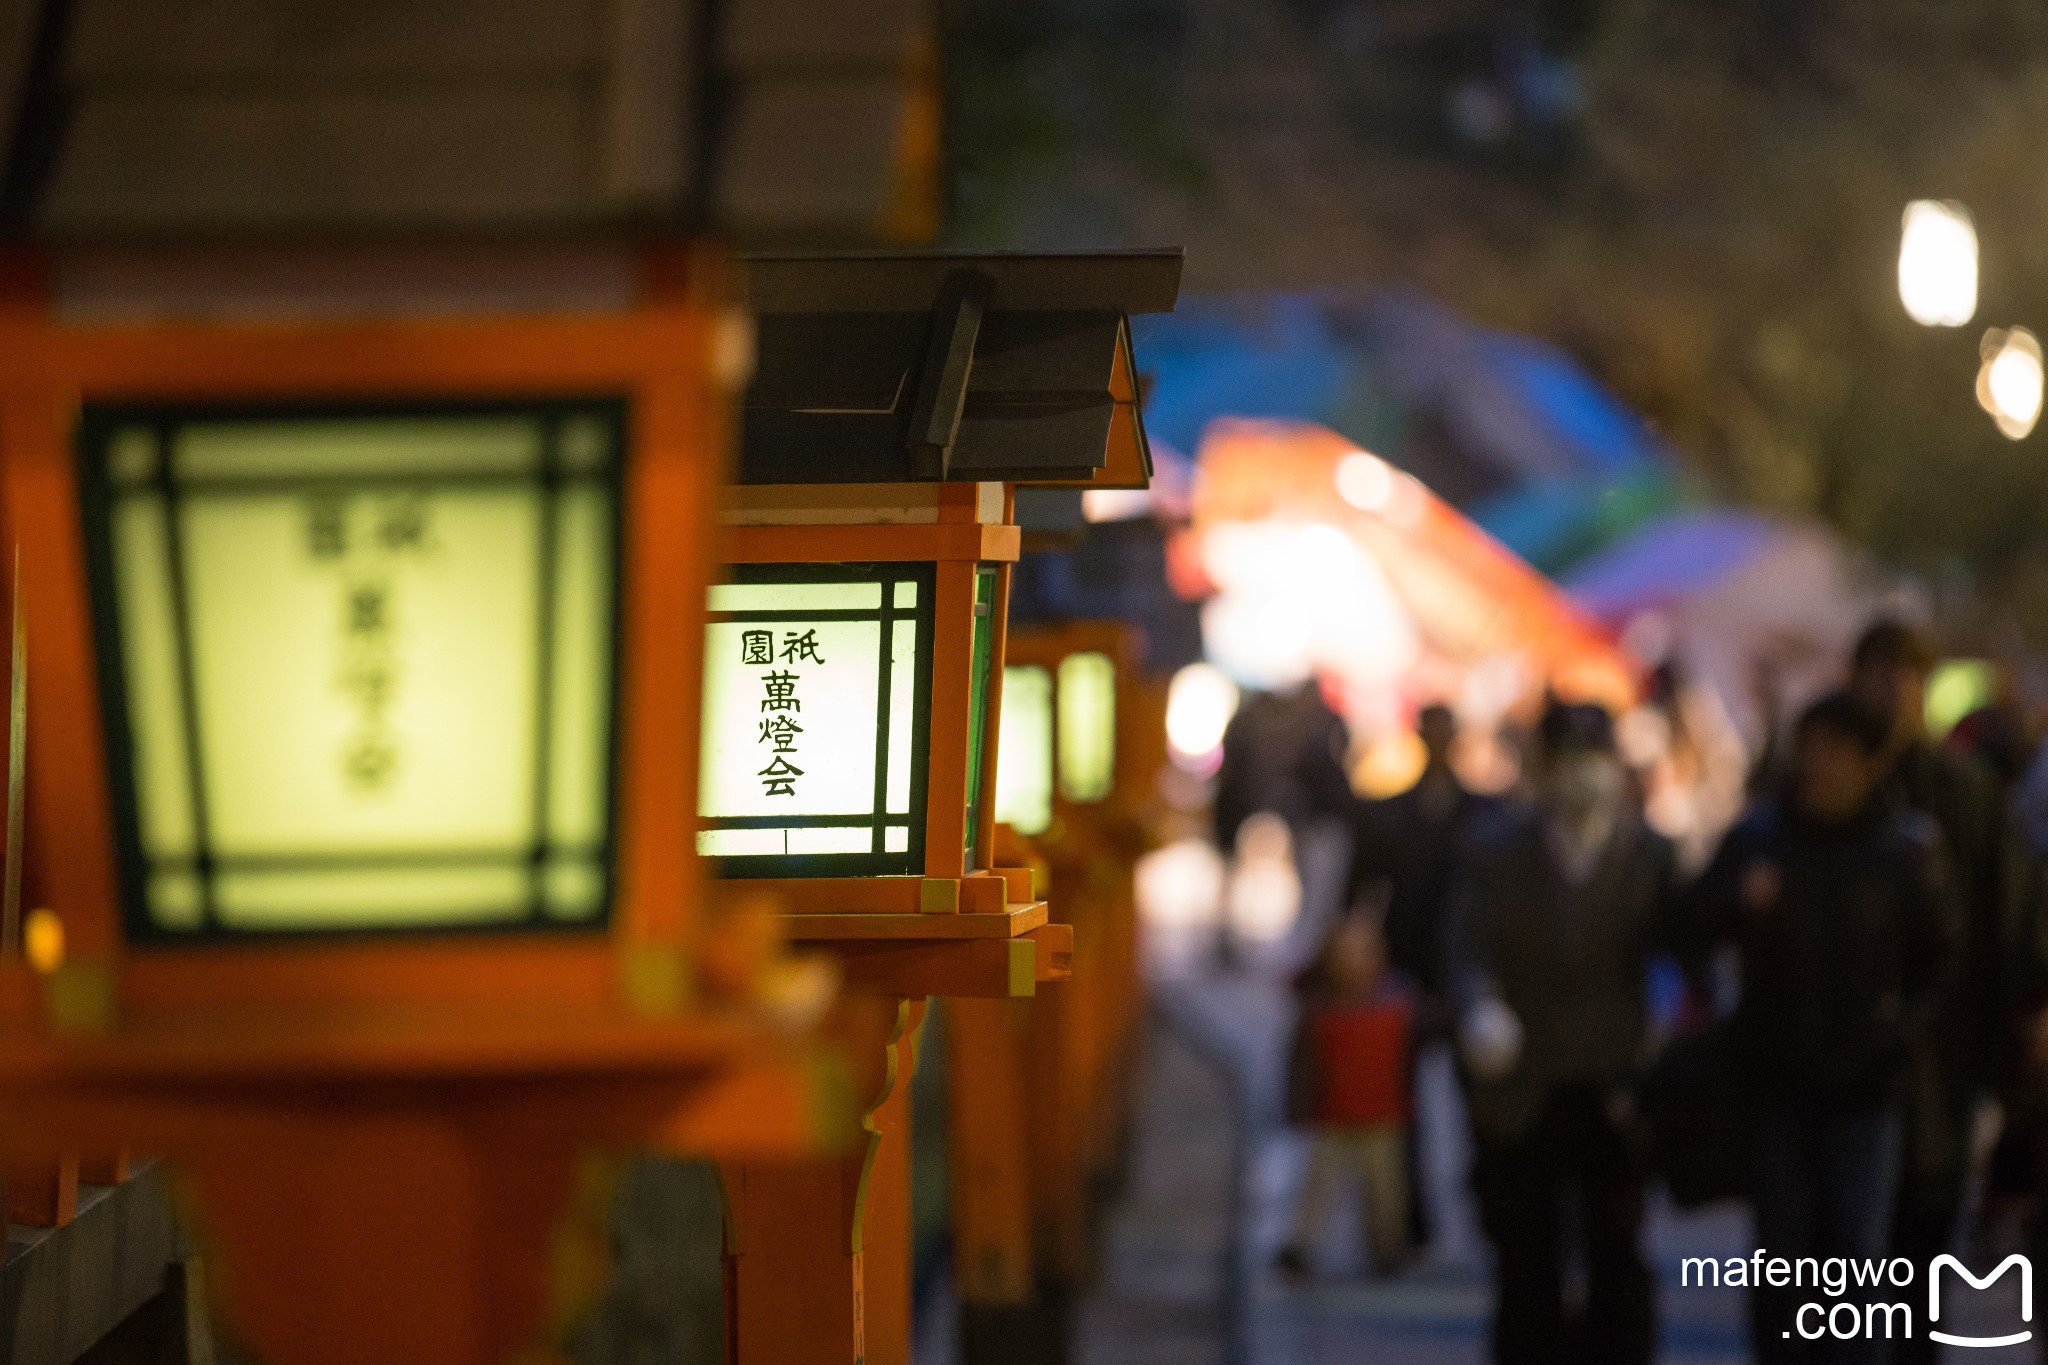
(2009,385)
(1938,263)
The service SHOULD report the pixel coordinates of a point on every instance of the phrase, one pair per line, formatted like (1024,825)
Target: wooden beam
(996,969)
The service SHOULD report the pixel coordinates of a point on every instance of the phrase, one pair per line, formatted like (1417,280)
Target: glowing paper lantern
(1087,729)
(1024,757)
(816,707)
(358,665)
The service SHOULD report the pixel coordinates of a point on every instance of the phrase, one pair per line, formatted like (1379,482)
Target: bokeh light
(1938,263)
(1365,481)
(1199,704)
(2010,383)
(42,941)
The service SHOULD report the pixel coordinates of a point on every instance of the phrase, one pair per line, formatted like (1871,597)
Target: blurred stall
(1319,560)
(1509,430)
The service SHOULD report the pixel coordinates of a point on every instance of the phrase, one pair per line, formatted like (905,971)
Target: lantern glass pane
(1087,728)
(816,701)
(1024,750)
(362,663)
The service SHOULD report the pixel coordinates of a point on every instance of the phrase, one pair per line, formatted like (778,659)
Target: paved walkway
(1163,1270)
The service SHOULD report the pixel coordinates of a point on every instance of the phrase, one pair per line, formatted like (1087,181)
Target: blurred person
(1835,898)
(1347,1084)
(1403,853)
(1971,1044)
(2030,801)
(1554,916)
(2003,737)
(1282,752)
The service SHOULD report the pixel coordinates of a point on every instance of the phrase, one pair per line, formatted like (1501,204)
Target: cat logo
(2026,1298)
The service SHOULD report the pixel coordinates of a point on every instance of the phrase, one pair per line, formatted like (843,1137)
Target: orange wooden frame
(658,356)
(1056,1067)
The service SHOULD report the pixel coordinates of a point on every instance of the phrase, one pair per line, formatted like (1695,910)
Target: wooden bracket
(948,359)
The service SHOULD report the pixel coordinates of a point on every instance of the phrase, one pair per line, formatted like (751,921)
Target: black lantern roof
(905,368)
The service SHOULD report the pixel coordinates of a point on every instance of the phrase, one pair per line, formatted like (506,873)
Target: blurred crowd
(1839,1014)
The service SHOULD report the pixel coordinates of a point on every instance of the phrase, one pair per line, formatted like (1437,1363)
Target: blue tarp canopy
(1678,557)
(1507,428)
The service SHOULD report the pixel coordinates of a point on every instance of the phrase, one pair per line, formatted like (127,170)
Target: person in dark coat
(1836,899)
(1404,851)
(1282,752)
(1405,848)
(1554,917)
(1971,1043)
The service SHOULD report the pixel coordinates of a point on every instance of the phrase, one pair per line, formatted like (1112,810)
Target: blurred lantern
(1024,750)
(1087,728)
(1938,263)
(1031,746)
(2009,384)
(1199,704)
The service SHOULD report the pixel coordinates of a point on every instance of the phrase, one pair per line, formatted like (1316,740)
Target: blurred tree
(1699,198)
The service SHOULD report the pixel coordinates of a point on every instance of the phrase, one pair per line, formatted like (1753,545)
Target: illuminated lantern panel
(1024,750)
(817,682)
(1087,729)
(357,665)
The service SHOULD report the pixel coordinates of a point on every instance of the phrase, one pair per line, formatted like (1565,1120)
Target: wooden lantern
(362,663)
(855,655)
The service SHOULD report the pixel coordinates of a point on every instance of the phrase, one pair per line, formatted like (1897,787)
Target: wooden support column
(818,1251)
(1004,1316)
(341,1236)
(1061,1109)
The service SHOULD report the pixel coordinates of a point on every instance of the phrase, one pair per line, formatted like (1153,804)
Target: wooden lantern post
(854,687)
(384,1061)
(1083,743)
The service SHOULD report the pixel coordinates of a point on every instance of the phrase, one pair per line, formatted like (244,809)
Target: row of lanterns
(1938,286)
